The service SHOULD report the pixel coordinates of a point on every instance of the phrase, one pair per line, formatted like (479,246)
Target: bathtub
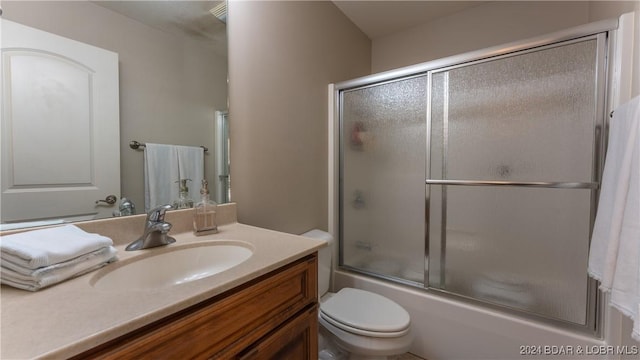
(446,328)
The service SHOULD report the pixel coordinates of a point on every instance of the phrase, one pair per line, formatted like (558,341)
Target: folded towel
(614,256)
(26,224)
(49,275)
(45,247)
(105,253)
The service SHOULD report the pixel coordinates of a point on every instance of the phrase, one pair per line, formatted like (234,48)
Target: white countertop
(71,317)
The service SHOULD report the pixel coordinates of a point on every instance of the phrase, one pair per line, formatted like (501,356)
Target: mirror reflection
(155,70)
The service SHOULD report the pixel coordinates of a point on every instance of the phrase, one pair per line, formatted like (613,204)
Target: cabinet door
(225,326)
(295,340)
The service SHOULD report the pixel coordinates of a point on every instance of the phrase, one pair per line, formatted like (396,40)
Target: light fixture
(220,11)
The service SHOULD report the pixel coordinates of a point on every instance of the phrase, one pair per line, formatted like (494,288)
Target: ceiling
(381,18)
(375,18)
(179,17)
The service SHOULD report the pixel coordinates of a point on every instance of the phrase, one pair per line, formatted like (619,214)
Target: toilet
(361,324)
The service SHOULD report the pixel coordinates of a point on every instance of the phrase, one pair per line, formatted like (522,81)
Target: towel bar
(136,145)
(541,184)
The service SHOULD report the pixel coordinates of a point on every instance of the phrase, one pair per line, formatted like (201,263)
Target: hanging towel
(191,166)
(33,280)
(614,257)
(45,247)
(161,173)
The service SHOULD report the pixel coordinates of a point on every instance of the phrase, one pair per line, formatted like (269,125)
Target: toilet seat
(365,313)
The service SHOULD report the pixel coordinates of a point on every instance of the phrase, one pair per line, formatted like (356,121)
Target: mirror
(172,62)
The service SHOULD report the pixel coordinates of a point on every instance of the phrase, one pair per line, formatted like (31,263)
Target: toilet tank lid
(319,234)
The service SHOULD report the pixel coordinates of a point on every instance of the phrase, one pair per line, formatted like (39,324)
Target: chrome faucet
(155,230)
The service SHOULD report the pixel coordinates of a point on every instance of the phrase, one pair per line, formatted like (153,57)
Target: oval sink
(172,266)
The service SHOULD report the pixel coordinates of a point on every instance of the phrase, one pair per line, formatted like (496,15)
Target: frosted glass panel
(519,247)
(529,117)
(383,172)
(522,119)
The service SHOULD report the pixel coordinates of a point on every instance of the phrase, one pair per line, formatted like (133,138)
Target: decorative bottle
(184,201)
(204,215)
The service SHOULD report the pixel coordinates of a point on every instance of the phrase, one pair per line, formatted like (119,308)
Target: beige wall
(491,24)
(482,26)
(599,10)
(170,86)
(282,56)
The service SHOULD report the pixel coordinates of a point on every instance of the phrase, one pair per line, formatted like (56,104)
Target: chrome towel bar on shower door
(540,184)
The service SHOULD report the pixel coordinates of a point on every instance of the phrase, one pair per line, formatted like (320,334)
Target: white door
(60,126)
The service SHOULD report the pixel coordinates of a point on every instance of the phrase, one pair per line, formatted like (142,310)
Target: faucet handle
(157,214)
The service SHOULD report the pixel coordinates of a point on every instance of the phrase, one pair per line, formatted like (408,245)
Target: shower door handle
(538,184)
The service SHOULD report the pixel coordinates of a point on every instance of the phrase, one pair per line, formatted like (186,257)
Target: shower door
(382,172)
(510,147)
(513,176)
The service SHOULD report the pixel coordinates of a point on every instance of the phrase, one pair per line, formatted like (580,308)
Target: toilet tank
(324,259)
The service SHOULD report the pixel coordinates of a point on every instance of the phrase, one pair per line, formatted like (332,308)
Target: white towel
(27,224)
(614,257)
(191,165)
(44,247)
(160,175)
(636,327)
(164,166)
(105,253)
(16,276)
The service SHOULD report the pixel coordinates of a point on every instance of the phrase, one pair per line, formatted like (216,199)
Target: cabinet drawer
(295,340)
(225,324)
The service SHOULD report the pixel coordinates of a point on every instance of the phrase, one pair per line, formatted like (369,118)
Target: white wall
(170,86)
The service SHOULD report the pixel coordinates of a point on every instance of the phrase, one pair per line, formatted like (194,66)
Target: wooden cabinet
(271,317)
(295,340)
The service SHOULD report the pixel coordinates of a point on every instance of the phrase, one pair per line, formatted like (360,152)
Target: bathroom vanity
(273,316)
(264,307)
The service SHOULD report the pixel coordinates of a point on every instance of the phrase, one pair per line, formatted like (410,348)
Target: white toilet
(362,324)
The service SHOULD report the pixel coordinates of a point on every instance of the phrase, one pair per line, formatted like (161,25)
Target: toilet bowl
(362,324)
(365,324)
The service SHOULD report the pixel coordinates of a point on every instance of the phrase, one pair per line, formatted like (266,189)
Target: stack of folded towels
(36,259)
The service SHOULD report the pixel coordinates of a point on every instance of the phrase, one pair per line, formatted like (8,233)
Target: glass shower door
(382,199)
(512,176)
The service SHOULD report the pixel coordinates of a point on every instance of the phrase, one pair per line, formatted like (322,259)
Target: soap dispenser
(204,216)
(184,201)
